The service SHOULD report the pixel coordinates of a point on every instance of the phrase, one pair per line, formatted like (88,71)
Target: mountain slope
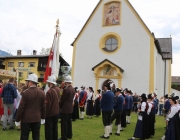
(4,53)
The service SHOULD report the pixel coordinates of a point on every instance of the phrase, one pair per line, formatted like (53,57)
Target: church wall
(155,70)
(162,76)
(168,77)
(159,85)
(133,55)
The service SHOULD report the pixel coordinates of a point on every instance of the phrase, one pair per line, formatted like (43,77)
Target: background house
(27,64)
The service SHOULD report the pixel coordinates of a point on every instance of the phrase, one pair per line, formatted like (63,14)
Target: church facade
(116,45)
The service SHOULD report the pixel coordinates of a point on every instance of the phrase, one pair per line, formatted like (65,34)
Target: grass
(91,129)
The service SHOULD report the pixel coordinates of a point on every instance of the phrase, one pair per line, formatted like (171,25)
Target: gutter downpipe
(165,78)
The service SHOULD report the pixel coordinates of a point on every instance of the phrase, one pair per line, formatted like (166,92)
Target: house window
(41,76)
(20,64)
(10,64)
(43,65)
(111,44)
(31,64)
(20,74)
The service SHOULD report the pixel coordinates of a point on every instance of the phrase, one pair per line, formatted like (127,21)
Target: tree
(174,86)
(45,51)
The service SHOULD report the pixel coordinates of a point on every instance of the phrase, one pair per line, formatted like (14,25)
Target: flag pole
(58,33)
(52,68)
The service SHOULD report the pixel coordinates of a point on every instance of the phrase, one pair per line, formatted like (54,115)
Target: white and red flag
(52,67)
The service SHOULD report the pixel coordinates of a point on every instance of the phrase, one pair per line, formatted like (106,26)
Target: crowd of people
(29,106)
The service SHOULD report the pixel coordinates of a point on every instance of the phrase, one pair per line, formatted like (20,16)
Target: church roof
(166,47)
(93,12)
(109,62)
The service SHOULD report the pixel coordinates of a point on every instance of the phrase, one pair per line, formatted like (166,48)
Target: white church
(116,45)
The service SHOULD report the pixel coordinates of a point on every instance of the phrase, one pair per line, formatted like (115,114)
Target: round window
(111,45)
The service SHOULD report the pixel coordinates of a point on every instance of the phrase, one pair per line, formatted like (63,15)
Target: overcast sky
(30,24)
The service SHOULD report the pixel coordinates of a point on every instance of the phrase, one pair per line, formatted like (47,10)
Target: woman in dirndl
(171,132)
(150,112)
(97,98)
(89,109)
(75,114)
(141,130)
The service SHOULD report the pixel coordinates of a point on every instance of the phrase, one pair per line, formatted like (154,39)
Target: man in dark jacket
(106,105)
(52,109)
(9,93)
(135,101)
(31,109)
(118,108)
(66,109)
(130,104)
(167,105)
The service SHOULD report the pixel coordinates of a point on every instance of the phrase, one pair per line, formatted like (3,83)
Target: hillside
(4,53)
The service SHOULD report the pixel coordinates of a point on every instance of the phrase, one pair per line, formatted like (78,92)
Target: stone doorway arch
(106,70)
(107,81)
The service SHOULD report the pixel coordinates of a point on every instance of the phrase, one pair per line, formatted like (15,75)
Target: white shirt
(150,107)
(178,106)
(89,95)
(172,112)
(18,99)
(75,96)
(143,106)
(96,96)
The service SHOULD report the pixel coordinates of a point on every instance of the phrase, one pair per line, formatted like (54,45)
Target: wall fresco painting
(111,14)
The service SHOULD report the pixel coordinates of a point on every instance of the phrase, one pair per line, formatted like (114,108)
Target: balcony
(41,69)
(40,79)
(2,66)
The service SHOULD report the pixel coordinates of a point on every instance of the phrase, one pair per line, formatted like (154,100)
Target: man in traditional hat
(52,109)
(167,105)
(127,103)
(9,93)
(66,109)
(107,108)
(130,106)
(31,109)
(118,108)
(82,101)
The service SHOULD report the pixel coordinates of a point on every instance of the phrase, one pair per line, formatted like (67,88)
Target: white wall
(133,56)
(168,65)
(159,85)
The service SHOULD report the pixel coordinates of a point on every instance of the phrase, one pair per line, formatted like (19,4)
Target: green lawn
(91,129)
